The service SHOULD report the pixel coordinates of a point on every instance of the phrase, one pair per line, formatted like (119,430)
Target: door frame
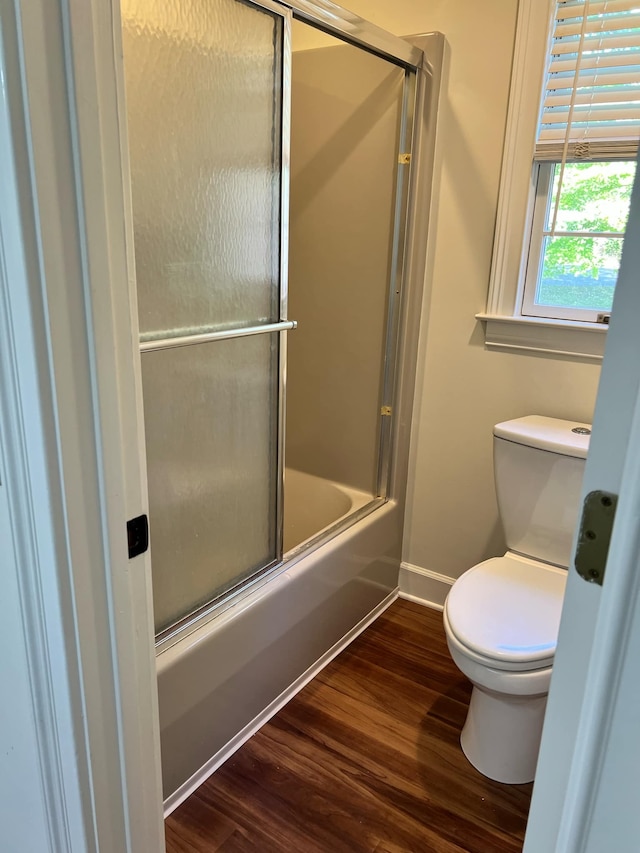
(73,475)
(71,433)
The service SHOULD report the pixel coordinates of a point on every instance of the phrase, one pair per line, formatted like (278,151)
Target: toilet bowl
(502,616)
(501,622)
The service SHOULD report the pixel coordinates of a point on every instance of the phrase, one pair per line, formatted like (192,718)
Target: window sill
(536,334)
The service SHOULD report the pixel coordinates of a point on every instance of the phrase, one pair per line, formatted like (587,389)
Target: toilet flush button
(581,430)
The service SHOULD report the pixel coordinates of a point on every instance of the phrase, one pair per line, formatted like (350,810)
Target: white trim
(209,767)
(96,93)
(532,35)
(23,768)
(70,431)
(48,742)
(541,335)
(505,328)
(424,586)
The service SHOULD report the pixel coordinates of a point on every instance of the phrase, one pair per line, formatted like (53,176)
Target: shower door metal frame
(350,28)
(397,278)
(150,342)
(354,30)
(339,22)
(367,36)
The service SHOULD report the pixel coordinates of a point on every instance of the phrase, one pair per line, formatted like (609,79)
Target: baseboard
(185,790)
(424,586)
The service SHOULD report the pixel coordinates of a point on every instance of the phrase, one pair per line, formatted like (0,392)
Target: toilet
(501,616)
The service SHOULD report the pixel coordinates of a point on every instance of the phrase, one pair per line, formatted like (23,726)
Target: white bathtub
(217,685)
(312,504)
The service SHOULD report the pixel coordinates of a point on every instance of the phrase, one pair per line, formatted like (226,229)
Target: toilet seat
(505,612)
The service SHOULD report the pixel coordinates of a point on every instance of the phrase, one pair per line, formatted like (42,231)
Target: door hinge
(404,158)
(138,535)
(385,411)
(596,525)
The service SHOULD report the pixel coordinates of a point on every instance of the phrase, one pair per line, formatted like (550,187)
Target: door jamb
(74,473)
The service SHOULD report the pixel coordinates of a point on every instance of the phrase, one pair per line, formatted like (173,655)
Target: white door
(586,790)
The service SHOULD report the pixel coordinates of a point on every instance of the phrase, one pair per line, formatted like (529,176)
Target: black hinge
(138,535)
(595,534)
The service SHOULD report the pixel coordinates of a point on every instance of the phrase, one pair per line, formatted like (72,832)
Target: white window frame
(543,171)
(505,325)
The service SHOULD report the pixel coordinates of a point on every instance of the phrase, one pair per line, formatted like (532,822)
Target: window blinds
(591,102)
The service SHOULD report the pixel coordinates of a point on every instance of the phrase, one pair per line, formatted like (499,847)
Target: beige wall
(463,389)
(346,107)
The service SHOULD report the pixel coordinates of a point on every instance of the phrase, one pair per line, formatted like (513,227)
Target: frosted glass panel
(211,427)
(203,102)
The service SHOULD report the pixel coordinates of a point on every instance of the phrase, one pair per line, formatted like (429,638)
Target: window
(572,269)
(584,160)
(566,176)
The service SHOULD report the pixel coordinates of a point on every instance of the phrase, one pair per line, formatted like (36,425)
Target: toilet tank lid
(552,434)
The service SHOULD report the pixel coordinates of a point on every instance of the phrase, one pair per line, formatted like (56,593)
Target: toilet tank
(538,464)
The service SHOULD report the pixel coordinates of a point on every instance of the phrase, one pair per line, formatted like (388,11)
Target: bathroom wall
(463,389)
(346,107)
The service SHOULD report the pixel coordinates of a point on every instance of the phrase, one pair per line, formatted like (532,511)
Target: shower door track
(174,633)
(348,27)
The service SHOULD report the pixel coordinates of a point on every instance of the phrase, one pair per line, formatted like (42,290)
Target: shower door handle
(148,344)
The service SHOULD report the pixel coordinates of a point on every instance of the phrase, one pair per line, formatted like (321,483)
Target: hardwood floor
(365,758)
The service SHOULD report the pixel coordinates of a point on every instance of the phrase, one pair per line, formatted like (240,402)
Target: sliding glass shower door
(204,88)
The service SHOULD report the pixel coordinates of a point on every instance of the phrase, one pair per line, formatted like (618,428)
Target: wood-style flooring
(365,759)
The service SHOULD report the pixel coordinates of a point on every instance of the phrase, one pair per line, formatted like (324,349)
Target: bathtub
(220,683)
(312,505)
